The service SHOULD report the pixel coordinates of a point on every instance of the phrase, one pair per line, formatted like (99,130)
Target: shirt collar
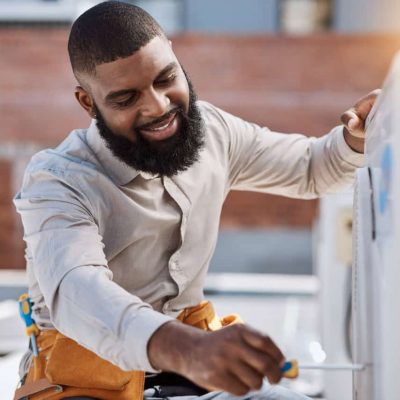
(118,171)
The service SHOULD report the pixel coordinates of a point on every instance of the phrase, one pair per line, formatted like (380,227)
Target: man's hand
(354,121)
(234,359)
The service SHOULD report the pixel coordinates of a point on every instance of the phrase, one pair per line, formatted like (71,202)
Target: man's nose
(155,103)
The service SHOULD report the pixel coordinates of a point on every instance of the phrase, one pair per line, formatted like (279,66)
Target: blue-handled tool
(25,310)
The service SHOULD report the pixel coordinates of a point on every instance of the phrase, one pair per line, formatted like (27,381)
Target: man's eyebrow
(167,69)
(112,95)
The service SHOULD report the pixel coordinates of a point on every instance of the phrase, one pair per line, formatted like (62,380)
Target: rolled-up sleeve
(68,260)
(291,165)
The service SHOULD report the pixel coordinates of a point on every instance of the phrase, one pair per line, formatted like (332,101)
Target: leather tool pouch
(203,316)
(64,368)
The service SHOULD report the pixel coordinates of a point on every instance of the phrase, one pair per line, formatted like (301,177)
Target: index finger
(264,344)
(363,106)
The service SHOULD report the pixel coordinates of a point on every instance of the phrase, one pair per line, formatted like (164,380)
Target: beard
(167,157)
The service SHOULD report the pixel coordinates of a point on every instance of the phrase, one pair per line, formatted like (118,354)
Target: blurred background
(291,65)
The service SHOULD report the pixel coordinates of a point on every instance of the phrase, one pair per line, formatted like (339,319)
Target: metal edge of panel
(261,284)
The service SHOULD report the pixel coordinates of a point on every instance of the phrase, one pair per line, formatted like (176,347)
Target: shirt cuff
(345,151)
(145,322)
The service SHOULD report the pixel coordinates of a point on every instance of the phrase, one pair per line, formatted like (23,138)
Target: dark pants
(168,385)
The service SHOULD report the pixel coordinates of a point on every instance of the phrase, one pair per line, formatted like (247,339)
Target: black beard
(167,157)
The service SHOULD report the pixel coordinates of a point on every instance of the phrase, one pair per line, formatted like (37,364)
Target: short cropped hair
(108,31)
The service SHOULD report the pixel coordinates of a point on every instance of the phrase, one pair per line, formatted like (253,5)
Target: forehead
(137,70)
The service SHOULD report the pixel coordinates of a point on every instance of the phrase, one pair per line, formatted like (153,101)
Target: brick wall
(11,245)
(288,84)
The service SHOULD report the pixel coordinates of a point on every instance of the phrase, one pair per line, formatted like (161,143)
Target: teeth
(160,128)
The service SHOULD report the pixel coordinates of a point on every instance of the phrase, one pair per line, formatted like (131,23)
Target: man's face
(146,111)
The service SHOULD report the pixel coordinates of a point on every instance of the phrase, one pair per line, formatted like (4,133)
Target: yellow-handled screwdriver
(31,329)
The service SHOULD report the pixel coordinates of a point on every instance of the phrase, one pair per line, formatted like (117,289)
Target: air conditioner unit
(376,252)
(332,241)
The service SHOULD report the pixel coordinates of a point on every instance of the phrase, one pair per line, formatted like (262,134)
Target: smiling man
(121,221)
(153,122)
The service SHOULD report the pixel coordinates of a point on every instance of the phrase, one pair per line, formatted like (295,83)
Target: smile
(162,130)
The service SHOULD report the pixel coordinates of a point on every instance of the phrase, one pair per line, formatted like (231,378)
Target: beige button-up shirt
(113,253)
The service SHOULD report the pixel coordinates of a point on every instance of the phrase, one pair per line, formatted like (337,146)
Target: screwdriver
(25,310)
(291,368)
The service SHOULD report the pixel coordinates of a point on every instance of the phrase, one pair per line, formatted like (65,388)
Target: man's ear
(85,100)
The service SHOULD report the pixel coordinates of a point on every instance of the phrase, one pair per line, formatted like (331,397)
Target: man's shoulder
(62,172)
(216,117)
(71,155)
(216,121)
(209,111)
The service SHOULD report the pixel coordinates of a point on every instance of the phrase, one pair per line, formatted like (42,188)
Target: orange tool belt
(64,368)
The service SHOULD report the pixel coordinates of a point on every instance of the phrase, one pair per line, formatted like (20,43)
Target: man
(121,219)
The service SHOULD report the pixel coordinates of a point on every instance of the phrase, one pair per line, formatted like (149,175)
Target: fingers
(235,385)
(247,375)
(263,343)
(262,354)
(354,118)
(364,105)
(351,120)
(234,359)
(262,364)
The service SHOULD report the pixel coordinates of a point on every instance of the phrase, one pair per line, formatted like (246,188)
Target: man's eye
(125,103)
(167,80)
